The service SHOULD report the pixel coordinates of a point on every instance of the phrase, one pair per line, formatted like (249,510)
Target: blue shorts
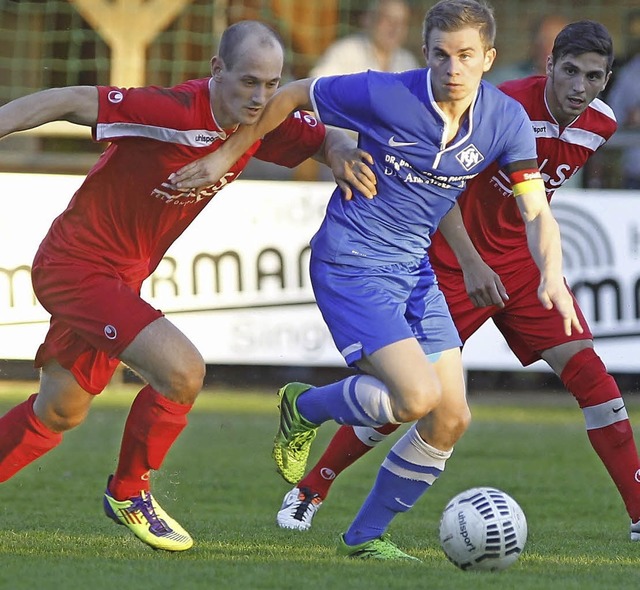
(367,308)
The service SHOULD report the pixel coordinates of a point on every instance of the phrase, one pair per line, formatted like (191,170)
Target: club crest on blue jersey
(469,157)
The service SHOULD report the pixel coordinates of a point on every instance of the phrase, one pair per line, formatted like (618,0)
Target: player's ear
(217,66)
(489,58)
(549,65)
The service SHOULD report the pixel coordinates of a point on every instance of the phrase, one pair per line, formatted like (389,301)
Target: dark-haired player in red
(492,274)
(89,268)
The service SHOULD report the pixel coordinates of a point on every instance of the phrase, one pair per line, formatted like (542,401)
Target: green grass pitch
(219,482)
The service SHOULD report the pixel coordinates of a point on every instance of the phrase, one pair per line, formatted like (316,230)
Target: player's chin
(575,108)
(250,116)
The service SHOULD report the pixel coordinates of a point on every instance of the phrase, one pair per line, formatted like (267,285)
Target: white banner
(237,281)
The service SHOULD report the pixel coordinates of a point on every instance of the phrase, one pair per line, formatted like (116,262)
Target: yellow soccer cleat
(146,519)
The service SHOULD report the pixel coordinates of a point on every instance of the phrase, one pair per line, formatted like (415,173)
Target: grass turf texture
(219,482)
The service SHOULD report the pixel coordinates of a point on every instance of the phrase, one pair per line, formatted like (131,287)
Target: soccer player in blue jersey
(429,131)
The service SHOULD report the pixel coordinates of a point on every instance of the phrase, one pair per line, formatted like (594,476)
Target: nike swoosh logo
(375,440)
(399,501)
(394,143)
(616,410)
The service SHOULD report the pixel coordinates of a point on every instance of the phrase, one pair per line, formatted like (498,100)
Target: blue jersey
(419,177)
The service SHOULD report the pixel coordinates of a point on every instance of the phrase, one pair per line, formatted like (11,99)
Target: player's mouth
(575,101)
(452,88)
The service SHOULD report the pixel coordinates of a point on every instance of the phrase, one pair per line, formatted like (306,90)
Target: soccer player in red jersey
(89,268)
(492,274)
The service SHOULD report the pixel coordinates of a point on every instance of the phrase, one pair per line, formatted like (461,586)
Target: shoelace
(299,439)
(145,506)
(308,503)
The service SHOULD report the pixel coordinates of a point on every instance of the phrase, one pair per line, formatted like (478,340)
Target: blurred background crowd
(47,43)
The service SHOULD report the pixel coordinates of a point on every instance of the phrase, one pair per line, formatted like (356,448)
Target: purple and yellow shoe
(146,519)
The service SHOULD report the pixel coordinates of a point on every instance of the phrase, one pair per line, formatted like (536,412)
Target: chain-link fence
(47,43)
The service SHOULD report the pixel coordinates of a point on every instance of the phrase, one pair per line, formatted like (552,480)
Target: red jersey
(125,215)
(490,213)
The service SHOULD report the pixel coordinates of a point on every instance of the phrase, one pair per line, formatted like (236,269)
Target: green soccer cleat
(380,548)
(144,517)
(294,437)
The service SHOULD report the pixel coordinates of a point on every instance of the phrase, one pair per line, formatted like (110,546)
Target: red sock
(153,425)
(24,439)
(586,377)
(344,449)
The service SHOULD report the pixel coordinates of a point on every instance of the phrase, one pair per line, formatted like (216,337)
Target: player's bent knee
(182,383)
(460,423)
(414,404)
(60,420)
(444,431)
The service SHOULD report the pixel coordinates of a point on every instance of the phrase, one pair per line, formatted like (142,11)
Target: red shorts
(528,328)
(94,316)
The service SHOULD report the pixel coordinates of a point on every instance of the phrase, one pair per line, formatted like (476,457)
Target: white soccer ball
(483,529)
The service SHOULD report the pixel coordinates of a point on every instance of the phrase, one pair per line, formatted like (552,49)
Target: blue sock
(409,470)
(360,400)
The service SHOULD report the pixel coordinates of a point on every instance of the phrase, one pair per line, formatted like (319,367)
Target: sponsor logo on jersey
(175,196)
(200,138)
(395,166)
(637,476)
(469,157)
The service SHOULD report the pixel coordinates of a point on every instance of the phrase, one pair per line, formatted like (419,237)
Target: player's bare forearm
(76,104)
(543,237)
(211,168)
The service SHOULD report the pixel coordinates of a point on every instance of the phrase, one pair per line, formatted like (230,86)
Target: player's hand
(556,295)
(352,170)
(206,171)
(484,286)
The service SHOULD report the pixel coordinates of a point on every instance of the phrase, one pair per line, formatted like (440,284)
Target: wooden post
(128,27)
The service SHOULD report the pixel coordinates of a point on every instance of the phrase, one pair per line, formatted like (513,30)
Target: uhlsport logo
(469,157)
(327,473)
(115,96)
(110,332)
(206,139)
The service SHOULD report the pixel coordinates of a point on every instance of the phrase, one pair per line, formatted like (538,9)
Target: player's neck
(454,113)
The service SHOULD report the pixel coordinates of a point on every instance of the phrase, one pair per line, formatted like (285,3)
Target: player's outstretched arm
(210,169)
(76,104)
(351,166)
(483,285)
(543,238)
